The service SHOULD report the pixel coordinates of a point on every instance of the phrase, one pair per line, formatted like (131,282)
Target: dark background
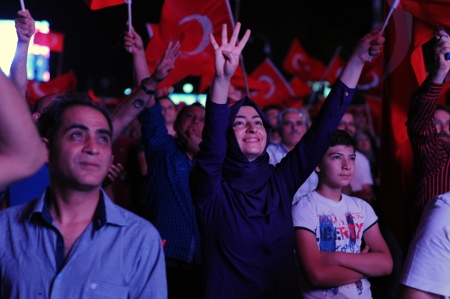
(93,47)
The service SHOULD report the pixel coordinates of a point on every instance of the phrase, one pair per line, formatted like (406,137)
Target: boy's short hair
(51,118)
(341,137)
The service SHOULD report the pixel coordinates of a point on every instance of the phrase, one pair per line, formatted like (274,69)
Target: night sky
(93,48)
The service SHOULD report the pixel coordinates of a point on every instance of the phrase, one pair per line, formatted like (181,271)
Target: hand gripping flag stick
(394,6)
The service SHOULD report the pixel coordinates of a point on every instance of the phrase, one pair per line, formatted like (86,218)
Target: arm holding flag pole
(133,44)
(25,30)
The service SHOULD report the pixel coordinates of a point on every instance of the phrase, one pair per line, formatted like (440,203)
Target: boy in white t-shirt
(329,229)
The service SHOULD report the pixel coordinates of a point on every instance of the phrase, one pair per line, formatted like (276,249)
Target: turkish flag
(99,4)
(189,22)
(300,87)
(61,84)
(300,64)
(53,40)
(335,69)
(371,78)
(277,89)
(404,72)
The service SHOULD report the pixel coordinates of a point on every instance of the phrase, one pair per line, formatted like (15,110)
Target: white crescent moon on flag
(372,84)
(37,90)
(207,27)
(298,62)
(272,86)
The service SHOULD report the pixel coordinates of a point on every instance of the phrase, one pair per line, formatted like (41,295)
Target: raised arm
(25,30)
(139,99)
(133,41)
(442,65)
(369,45)
(376,262)
(21,150)
(226,61)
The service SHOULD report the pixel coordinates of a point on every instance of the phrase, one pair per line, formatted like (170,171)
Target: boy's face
(337,166)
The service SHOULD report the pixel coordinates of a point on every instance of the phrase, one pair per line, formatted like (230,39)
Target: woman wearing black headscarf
(244,203)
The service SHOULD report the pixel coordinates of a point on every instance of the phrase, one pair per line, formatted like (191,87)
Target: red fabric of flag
(99,4)
(61,84)
(53,40)
(371,78)
(300,64)
(335,69)
(277,89)
(404,72)
(300,87)
(189,22)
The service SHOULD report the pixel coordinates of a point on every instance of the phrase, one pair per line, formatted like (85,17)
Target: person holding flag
(244,203)
(428,131)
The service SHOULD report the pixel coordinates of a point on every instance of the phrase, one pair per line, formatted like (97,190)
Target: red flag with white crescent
(53,40)
(403,73)
(60,84)
(191,23)
(299,63)
(277,89)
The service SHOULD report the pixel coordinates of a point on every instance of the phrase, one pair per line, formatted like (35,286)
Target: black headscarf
(244,176)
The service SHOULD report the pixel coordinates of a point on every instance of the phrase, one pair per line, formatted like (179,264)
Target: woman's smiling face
(250,132)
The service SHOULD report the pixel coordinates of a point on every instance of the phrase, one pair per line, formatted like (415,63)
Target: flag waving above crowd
(277,88)
(191,23)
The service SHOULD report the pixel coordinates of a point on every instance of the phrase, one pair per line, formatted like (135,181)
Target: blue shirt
(119,255)
(29,188)
(170,202)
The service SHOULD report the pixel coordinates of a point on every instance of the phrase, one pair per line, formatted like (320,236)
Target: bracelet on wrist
(147,91)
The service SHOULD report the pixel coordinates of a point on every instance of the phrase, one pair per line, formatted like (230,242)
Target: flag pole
(394,6)
(22,5)
(129,21)
(237,5)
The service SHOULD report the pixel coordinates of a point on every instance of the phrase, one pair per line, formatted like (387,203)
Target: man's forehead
(84,115)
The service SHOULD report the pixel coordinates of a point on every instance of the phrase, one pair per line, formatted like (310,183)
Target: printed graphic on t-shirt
(341,234)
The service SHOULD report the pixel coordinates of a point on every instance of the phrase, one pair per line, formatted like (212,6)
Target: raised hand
(227,55)
(370,45)
(24,26)
(166,64)
(133,41)
(441,47)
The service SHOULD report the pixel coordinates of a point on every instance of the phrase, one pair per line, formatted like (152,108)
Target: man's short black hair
(272,106)
(341,137)
(52,116)
(185,108)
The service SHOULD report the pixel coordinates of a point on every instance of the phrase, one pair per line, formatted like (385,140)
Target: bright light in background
(188,98)
(188,88)
(127,91)
(38,56)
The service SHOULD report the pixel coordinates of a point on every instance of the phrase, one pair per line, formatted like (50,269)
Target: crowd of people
(230,200)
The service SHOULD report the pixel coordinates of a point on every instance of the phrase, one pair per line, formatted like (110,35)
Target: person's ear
(317,169)
(36,116)
(47,146)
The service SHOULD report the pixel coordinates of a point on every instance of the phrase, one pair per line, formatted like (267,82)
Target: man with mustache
(428,131)
(292,125)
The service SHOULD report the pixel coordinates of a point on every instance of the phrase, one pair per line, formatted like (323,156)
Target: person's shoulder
(135,223)
(356,201)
